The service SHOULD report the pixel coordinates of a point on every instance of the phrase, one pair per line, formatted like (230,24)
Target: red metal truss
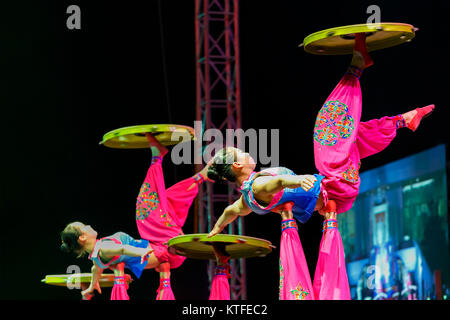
(218,106)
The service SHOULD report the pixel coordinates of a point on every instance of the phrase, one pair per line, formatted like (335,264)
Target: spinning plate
(341,40)
(199,246)
(134,137)
(106,280)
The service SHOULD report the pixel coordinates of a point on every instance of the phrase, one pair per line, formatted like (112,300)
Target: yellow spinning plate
(134,137)
(341,40)
(106,280)
(199,246)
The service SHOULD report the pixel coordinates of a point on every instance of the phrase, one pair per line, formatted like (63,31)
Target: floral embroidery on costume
(352,173)
(299,293)
(333,123)
(325,136)
(345,126)
(167,221)
(147,202)
(141,211)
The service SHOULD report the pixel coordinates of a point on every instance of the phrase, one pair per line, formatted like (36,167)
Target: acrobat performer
(160,216)
(341,140)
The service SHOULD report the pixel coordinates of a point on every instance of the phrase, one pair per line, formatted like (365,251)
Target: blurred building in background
(396,235)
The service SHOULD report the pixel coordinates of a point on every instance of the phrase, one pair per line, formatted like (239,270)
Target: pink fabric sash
(295,281)
(119,290)
(330,278)
(220,288)
(165,290)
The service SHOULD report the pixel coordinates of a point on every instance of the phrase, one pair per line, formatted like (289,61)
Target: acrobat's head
(229,164)
(76,237)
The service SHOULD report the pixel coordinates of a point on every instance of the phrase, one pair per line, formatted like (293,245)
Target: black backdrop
(61,90)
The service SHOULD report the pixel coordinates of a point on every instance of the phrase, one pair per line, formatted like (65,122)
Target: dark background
(61,90)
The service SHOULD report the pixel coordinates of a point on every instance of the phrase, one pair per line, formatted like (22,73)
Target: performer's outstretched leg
(295,280)
(337,157)
(152,219)
(181,195)
(375,135)
(220,287)
(161,213)
(335,132)
(330,278)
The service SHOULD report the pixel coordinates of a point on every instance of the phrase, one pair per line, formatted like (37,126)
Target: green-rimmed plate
(199,246)
(341,40)
(106,280)
(133,137)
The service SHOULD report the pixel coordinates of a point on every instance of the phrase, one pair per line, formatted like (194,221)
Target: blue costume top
(132,263)
(304,201)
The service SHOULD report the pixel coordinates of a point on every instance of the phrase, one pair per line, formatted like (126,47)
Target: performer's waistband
(198,178)
(119,280)
(354,71)
(157,159)
(399,121)
(164,283)
(288,224)
(329,224)
(223,271)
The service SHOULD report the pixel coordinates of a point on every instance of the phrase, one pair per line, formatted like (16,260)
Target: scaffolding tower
(218,106)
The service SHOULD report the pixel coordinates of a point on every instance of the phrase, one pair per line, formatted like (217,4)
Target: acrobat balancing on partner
(340,142)
(160,216)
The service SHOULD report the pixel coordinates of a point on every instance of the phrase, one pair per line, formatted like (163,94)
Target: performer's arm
(268,185)
(111,250)
(238,208)
(94,285)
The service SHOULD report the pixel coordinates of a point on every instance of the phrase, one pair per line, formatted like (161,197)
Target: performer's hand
(89,292)
(307,181)
(214,231)
(146,255)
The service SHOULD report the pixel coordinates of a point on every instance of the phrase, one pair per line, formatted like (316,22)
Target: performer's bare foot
(413,117)
(361,58)
(155,146)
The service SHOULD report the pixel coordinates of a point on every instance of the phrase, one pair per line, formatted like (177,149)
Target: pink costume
(295,281)
(340,141)
(220,288)
(160,215)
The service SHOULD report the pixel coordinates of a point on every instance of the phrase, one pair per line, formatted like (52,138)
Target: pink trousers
(161,214)
(340,142)
(295,281)
(330,278)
